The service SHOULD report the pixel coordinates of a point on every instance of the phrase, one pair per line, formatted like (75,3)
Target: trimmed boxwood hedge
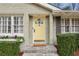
(67,43)
(9,48)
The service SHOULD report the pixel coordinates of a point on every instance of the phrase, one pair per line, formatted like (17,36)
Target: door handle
(33,29)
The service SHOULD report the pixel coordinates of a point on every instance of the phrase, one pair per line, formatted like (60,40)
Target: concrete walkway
(49,50)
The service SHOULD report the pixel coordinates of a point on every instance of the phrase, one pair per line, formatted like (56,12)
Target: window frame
(71,26)
(12,26)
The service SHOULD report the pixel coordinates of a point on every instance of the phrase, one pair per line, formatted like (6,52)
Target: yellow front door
(39,30)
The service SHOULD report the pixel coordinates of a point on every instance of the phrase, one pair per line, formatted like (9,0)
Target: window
(70,25)
(76,25)
(11,24)
(39,22)
(18,24)
(5,24)
(66,25)
(73,24)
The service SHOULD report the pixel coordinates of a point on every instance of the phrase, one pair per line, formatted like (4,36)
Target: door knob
(33,29)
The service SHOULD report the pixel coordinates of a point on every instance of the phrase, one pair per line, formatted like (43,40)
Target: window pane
(66,22)
(72,28)
(18,23)
(66,25)
(76,28)
(66,28)
(0,24)
(76,24)
(3,25)
(73,24)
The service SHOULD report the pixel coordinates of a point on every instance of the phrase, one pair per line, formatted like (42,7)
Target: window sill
(69,32)
(14,40)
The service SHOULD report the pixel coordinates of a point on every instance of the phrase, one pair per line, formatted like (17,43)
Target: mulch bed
(21,53)
(76,53)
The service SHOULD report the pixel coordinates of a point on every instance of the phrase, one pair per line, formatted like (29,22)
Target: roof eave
(48,6)
(65,13)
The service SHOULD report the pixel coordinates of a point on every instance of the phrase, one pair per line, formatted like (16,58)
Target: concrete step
(49,50)
(40,54)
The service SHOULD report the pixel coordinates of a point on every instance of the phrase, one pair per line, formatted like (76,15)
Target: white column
(26,42)
(26,28)
(64,26)
(1,24)
(54,32)
(51,33)
(70,29)
(12,25)
(74,24)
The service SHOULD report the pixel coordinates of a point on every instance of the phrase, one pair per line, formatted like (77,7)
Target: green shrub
(9,48)
(67,43)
